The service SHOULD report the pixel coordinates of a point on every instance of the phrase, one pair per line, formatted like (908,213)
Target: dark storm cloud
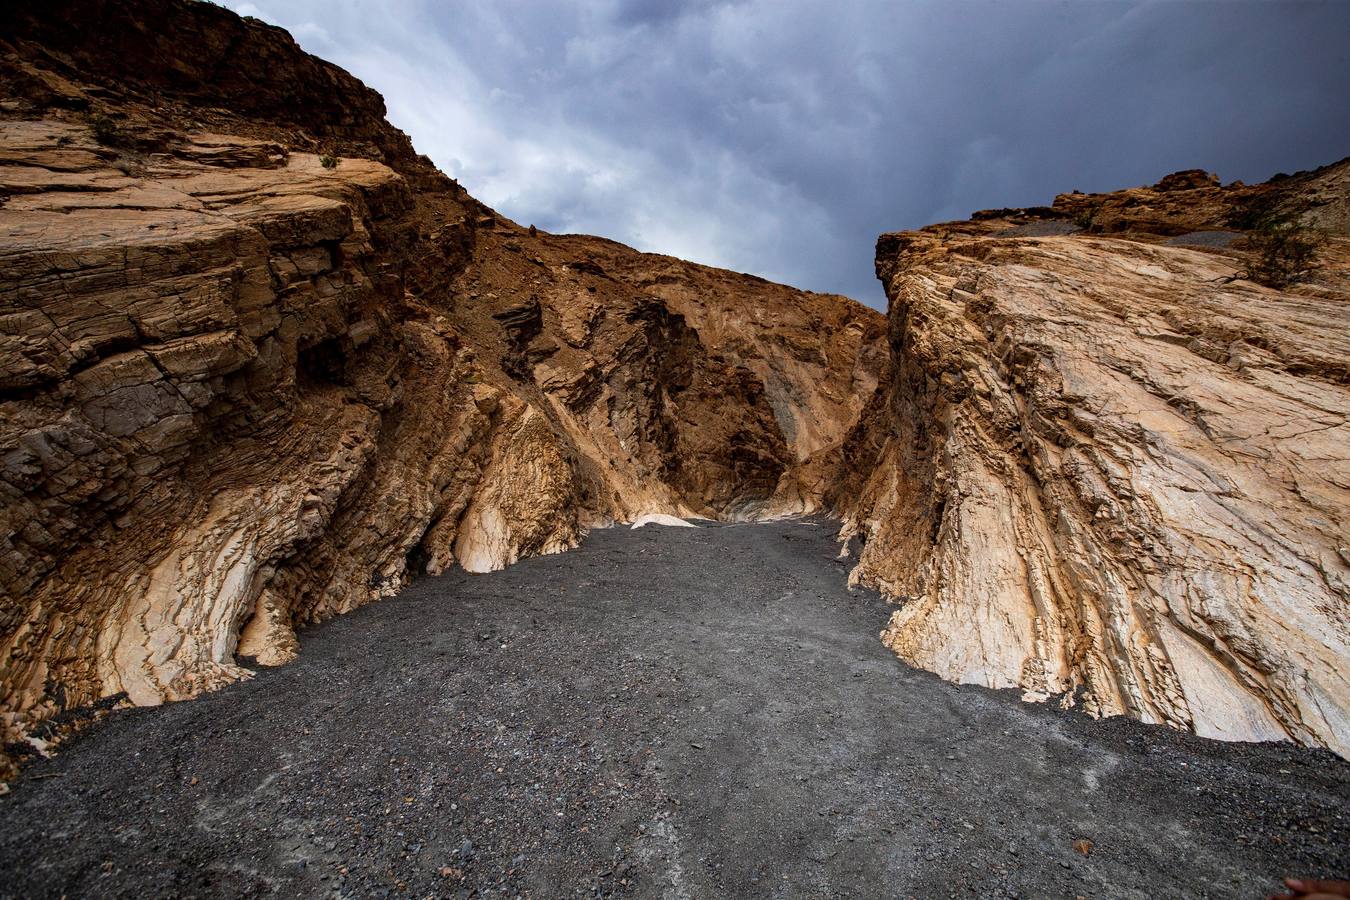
(780,138)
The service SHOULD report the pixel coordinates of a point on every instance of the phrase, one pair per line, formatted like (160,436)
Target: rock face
(260,363)
(242,390)
(1106,470)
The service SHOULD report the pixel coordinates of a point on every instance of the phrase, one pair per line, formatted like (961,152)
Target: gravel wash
(663,712)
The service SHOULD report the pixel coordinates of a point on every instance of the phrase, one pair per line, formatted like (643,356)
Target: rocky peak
(1187,180)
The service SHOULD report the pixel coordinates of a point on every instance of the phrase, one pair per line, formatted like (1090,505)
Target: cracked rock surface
(1107,470)
(261,364)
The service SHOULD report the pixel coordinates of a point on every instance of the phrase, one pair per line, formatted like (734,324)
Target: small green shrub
(1282,251)
(106,131)
(1086,218)
(329,161)
(1252,213)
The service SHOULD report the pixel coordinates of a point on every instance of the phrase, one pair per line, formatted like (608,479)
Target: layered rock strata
(262,363)
(1109,468)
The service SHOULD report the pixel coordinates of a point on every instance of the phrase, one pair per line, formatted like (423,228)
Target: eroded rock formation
(260,363)
(245,387)
(1104,468)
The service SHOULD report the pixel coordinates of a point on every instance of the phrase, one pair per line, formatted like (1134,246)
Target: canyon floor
(662,712)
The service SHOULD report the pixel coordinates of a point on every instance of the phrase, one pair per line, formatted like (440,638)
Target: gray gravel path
(662,713)
(1217,240)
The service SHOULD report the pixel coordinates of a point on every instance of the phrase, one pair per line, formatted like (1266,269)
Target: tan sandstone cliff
(1106,467)
(243,390)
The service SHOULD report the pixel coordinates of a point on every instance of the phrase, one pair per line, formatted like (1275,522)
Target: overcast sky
(780,138)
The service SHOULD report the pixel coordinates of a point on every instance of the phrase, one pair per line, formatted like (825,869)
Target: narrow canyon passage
(663,712)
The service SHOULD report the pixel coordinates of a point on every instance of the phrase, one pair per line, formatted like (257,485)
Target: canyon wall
(1107,470)
(262,364)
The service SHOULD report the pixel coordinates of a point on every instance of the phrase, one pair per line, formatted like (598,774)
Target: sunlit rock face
(262,363)
(1104,469)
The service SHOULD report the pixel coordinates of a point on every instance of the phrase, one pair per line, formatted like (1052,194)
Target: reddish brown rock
(243,390)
